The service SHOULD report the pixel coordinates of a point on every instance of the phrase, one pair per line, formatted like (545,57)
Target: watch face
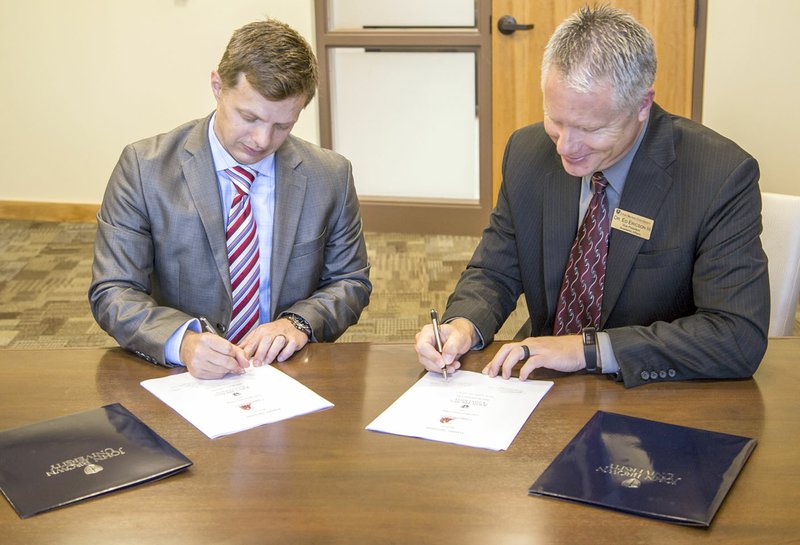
(589,349)
(299,323)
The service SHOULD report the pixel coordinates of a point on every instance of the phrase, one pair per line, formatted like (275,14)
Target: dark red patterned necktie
(581,296)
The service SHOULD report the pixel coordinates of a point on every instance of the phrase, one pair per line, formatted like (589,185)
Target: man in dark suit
(233,192)
(674,283)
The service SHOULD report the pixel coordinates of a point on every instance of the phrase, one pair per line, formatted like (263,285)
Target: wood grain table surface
(321,478)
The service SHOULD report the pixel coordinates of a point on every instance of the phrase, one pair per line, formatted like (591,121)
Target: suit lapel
(561,200)
(201,178)
(290,191)
(647,185)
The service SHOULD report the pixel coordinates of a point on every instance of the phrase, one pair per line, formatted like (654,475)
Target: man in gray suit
(683,286)
(161,280)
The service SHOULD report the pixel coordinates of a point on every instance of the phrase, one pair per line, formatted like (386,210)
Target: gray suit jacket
(691,302)
(160,254)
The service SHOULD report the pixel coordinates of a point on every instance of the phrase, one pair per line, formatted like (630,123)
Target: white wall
(82,78)
(752,83)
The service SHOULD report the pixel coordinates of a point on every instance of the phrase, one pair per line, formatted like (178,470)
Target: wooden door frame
(419,215)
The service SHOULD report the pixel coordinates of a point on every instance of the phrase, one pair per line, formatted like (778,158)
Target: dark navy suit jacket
(690,302)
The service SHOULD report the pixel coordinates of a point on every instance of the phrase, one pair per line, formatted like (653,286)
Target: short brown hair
(274,58)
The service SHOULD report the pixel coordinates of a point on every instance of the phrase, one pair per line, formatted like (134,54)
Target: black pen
(438,335)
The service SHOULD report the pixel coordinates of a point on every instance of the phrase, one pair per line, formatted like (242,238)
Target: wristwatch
(299,323)
(593,364)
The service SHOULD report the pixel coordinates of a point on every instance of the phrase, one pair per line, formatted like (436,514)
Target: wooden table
(321,478)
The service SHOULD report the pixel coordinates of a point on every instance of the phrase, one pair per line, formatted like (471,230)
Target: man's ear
(647,103)
(216,84)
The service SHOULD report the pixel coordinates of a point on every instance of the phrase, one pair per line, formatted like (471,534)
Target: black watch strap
(590,349)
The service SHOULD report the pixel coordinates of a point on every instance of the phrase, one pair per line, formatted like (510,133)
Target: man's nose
(567,142)
(261,136)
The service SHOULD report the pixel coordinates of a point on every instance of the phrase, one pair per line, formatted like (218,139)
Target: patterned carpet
(46,269)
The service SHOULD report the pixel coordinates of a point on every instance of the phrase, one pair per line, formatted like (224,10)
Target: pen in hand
(438,335)
(207,327)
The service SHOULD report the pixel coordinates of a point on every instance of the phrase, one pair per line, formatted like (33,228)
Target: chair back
(781,241)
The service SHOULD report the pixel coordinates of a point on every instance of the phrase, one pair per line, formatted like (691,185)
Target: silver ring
(526,353)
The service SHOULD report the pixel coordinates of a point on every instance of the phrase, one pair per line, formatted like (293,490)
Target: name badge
(631,223)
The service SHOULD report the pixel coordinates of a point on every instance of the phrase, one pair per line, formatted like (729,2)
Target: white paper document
(469,409)
(236,403)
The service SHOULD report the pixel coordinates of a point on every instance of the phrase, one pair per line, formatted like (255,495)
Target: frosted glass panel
(407,121)
(352,14)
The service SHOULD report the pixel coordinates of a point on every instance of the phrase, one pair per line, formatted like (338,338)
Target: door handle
(508,25)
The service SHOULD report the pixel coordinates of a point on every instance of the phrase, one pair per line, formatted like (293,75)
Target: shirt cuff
(172,350)
(607,358)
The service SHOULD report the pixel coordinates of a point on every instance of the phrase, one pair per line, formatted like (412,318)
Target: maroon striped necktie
(242,255)
(581,296)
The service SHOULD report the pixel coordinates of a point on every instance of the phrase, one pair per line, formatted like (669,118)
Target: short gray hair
(603,44)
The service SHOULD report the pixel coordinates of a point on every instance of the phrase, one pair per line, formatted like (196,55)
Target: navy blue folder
(662,471)
(60,461)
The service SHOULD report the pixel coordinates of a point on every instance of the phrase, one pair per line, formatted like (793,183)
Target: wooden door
(516,60)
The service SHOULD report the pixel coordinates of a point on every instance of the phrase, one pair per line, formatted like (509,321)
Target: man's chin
(577,171)
(248,158)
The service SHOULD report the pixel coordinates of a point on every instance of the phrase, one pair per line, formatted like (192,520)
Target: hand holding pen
(438,334)
(207,327)
(437,343)
(209,357)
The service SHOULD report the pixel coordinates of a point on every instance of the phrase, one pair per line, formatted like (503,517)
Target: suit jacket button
(671,372)
(662,374)
(645,375)
(221,328)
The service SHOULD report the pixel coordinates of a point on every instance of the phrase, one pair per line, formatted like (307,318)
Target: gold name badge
(631,223)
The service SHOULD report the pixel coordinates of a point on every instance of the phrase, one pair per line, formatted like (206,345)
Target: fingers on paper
(507,358)
(273,348)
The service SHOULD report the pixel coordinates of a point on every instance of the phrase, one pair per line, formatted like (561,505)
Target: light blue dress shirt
(262,201)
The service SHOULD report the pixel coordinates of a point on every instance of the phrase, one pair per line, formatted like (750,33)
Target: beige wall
(752,83)
(82,78)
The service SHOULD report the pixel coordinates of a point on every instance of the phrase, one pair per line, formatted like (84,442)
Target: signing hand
(458,337)
(210,356)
